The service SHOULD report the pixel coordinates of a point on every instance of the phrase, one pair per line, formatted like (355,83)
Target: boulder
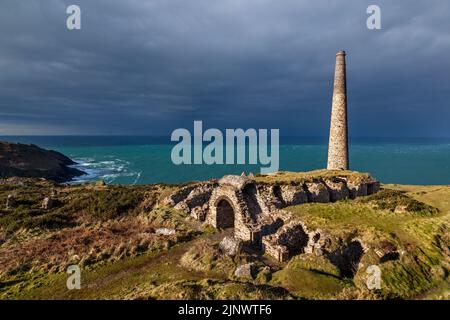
(230,246)
(244,271)
(165,231)
(47,203)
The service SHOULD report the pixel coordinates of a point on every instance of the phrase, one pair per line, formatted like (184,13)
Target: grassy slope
(160,275)
(309,282)
(113,280)
(148,276)
(416,272)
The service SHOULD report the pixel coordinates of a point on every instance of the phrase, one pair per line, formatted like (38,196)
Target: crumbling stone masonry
(289,240)
(239,193)
(255,211)
(193,199)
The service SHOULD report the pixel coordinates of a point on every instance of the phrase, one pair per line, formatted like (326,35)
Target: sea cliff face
(23,160)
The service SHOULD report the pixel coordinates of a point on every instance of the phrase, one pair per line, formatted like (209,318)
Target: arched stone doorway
(224,214)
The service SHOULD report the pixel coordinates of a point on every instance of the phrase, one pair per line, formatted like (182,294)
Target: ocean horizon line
(49,141)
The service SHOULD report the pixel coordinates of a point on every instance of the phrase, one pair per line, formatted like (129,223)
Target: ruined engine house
(254,208)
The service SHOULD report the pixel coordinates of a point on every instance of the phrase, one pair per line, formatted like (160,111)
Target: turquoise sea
(141,160)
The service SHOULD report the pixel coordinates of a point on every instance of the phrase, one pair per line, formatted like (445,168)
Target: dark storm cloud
(148,67)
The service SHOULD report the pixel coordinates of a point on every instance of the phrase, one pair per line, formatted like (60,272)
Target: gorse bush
(111,202)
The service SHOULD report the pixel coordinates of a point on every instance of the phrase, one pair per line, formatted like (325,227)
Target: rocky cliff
(23,160)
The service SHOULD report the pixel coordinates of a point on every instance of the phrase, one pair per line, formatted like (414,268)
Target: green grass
(420,233)
(310,278)
(396,200)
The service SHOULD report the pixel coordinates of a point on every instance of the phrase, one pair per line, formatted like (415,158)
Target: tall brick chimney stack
(338,143)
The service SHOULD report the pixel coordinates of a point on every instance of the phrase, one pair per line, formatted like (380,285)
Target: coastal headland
(29,160)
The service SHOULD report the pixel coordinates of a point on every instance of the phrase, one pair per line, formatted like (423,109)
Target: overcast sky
(149,67)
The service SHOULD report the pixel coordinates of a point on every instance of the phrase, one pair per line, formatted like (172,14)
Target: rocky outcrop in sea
(31,161)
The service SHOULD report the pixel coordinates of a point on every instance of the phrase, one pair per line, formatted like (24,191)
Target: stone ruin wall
(257,210)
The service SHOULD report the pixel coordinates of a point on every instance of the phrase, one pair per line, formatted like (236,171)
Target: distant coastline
(31,161)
